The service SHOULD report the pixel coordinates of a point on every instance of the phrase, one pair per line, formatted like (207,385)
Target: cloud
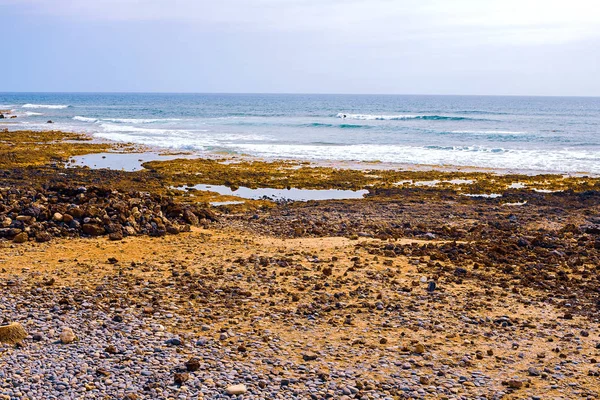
(461,22)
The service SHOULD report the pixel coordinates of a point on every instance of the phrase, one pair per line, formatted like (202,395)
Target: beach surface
(139,282)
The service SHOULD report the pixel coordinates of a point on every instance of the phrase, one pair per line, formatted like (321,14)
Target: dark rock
(190,217)
(42,237)
(181,378)
(174,342)
(193,364)
(111,349)
(93,229)
(115,236)
(431,287)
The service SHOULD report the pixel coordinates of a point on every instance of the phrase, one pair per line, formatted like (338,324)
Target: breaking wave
(401,117)
(125,120)
(49,106)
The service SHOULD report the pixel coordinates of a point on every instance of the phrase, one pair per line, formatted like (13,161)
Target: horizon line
(299,94)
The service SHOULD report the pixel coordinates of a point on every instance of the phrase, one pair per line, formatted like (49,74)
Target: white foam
(31,113)
(167,138)
(139,120)
(84,119)
(370,117)
(125,120)
(518,159)
(49,106)
(492,132)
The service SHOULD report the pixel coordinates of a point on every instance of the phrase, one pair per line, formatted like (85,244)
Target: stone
(111,349)
(42,237)
(181,377)
(190,217)
(419,348)
(67,336)
(431,287)
(12,333)
(115,236)
(174,342)
(514,384)
(236,389)
(309,356)
(58,217)
(92,229)
(533,371)
(193,364)
(21,238)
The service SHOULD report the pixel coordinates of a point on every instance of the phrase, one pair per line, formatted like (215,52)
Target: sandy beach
(428,287)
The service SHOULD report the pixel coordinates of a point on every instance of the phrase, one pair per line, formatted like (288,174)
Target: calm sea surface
(549,134)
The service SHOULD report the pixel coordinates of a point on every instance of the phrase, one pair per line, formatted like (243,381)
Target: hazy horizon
(428,47)
(300,94)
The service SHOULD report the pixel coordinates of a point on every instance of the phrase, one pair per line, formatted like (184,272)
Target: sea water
(545,134)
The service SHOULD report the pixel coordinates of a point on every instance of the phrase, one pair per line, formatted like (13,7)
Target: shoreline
(343,164)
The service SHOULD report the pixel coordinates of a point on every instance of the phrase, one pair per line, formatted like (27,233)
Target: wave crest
(49,106)
(402,117)
(125,120)
(84,119)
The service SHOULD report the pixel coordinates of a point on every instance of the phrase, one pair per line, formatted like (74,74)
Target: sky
(479,47)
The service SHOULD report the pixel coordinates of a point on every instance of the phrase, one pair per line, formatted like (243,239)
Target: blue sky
(524,47)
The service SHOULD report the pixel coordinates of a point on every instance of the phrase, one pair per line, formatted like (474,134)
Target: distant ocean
(545,134)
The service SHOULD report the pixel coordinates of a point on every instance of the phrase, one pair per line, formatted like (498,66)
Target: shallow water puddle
(521,203)
(483,195)
(225,203)
(435,182)
(293,194)
(120,161)
(517,185)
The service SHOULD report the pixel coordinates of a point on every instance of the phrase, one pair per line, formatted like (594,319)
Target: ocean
(534,134)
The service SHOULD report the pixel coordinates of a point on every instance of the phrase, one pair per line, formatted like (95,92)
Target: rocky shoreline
(412,292)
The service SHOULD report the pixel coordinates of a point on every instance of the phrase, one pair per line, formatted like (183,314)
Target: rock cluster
(62,211)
